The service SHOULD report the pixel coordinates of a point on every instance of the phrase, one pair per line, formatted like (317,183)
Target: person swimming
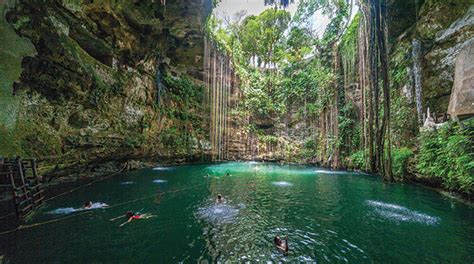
(87,205)
(131,216)
(281,244)
(220,199)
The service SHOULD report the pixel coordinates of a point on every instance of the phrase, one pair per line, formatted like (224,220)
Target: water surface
(329,217)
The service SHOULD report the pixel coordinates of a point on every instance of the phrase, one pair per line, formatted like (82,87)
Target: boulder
(461,103)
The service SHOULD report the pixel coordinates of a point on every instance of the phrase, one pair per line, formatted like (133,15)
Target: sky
(227,8)
(255,7)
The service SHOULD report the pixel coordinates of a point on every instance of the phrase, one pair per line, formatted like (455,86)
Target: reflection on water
(399,213)
(323,171)
(163,168)
(127,182)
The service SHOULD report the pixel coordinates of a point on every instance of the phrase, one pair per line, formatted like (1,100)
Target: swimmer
(281,244)
(228,174)
(220,199)
(87,205)
(131,216)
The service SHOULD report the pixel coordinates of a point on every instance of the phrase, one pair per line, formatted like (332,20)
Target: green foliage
(9,145)
(173,138)
(305,82)
(346,123)
(185,94)
(348,49)
(102,93)
(183,89)
(358,159)
(257,98)
(310,148)
(298,44)
(307,8)
(404,123)
(260,34)
(12,50)
(447,155)
(335,26)
(38,139)
(134,141)
(183,105)
(268,139)
(400,157)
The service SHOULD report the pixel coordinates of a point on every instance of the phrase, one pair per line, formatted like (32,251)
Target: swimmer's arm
(128,221)
(115,218)
(281,248)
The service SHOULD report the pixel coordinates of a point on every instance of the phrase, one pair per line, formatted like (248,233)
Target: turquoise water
(329,217)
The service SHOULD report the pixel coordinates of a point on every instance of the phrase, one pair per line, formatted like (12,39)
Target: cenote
(329,217)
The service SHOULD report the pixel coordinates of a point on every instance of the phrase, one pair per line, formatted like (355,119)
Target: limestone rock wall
(461,103)
(89,91)
(443,28)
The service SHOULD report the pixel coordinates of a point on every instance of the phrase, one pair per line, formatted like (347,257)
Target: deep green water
(328,217)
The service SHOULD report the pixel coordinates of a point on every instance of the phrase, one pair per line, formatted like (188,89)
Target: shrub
(400,159)
(448,156)
(358,160)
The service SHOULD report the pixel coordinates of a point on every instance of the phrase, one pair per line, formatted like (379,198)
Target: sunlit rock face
(88,93)
(461,103)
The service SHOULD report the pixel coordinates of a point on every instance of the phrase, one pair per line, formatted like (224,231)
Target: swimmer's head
(277,240)
(87,204)
(129,214)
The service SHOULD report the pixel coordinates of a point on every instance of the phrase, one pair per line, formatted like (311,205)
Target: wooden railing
(21,177)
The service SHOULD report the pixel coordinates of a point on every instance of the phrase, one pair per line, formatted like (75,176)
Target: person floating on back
(220,199)
(281,244)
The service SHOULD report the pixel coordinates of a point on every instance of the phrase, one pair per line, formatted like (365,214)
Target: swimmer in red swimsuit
(130,215)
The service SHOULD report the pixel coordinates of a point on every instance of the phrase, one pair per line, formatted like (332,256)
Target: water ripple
(282,184)
(399,213)
(69,210)
(160,181)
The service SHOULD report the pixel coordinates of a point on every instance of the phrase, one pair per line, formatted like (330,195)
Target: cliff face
(88,85)
(443,29)
(96,82)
